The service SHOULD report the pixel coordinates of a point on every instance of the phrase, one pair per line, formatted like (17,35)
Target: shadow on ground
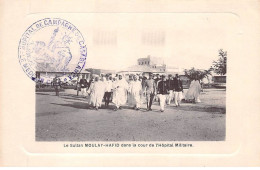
(81,105)
(76,105)
(202,108)
(42,93)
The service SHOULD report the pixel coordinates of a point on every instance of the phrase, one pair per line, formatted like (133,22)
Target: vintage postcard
(129,83)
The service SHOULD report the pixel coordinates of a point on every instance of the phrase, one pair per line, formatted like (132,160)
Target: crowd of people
(137,90)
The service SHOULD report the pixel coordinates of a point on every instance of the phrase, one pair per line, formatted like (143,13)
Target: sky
(116,40)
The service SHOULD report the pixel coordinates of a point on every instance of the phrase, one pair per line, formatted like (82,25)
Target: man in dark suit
(178,90)
(162,91)
(170,83)
(83,86)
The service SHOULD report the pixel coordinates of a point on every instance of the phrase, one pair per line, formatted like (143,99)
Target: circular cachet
(52,45)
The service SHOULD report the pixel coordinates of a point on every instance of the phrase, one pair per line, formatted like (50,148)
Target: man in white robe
(96,91)
(135,91)
(194,91)
(120,88)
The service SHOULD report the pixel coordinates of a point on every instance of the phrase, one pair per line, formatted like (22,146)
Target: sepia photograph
(129,83)
(141,80)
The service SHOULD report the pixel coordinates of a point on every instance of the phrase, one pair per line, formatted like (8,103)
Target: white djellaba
(194,91)
(120,88)
(135,92)
(96,90)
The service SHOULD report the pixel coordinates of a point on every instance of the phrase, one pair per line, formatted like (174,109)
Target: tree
(196,73)
(220,66)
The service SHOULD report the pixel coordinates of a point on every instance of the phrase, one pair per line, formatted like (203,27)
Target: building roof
(153,60)
(84,71)
(140,68)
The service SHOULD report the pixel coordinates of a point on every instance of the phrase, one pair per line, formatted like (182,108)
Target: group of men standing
(133,91)
(164,89)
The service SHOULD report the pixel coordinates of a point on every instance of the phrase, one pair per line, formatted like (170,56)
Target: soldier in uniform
(178,90)
(83,86)
(57,84)
(108,89)
(150,91)
(163,90)
(170,83)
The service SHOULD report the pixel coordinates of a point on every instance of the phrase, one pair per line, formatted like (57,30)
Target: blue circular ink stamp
(52,45)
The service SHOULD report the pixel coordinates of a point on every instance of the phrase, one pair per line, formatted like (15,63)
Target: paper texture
(190,30)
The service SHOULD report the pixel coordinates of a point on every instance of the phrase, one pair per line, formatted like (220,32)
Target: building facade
(155,63)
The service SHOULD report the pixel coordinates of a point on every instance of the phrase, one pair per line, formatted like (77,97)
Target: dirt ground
(68,118)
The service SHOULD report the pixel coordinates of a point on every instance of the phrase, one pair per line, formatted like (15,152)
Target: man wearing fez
(171,88)
(150,91)
(178,90)
(162,91)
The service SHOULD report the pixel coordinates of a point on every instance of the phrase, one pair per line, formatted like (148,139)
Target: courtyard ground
(68,118)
